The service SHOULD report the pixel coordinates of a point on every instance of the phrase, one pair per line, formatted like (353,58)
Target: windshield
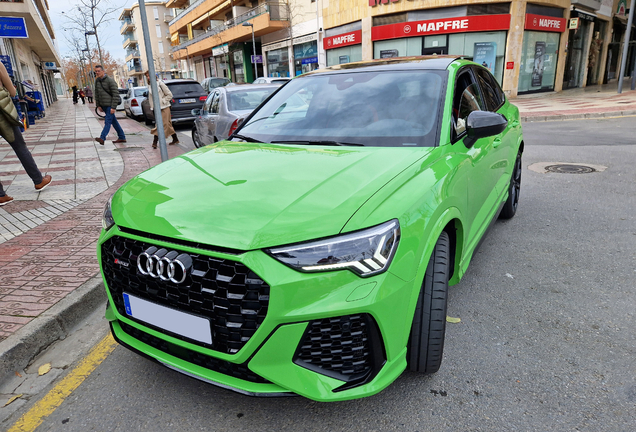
(248,99)
(140,91)
(387,109)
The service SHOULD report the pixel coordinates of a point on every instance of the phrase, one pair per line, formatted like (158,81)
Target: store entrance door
(577,55)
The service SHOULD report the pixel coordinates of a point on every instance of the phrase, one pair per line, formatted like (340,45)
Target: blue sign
(310,60)
(257,59)
(13,27)
(6,61)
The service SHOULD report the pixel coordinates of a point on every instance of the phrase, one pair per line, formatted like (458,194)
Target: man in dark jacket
(107,99)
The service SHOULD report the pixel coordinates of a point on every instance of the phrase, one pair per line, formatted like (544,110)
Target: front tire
(514,189)
(426,342)
(196,139)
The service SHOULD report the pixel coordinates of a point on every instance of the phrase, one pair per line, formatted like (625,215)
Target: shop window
(397,47)
(537,70)
(344,55)
(464,44)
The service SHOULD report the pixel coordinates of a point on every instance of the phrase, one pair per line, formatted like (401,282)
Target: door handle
(496,143)
(514,123)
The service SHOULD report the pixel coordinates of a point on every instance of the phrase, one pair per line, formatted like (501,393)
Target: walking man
(107,99)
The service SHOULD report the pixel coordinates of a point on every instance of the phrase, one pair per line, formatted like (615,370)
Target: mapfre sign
(377,2)
(342,40)
(545,23)
(466,24)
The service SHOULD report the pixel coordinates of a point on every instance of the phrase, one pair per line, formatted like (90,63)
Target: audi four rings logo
(163,264)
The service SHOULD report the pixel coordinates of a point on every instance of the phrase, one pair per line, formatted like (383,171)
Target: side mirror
(196,112)
(482,124)
(145,94)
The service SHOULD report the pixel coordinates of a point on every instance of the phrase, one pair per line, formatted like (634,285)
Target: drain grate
(570,169)
(128,149)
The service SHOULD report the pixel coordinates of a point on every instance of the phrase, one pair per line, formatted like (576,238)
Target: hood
(249,196)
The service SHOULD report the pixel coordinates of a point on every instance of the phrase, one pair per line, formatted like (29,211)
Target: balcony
(127,25)
(168,17)
(189,7)
(134,69)
(129,40)
(267,18)
(177,3)
(132,54)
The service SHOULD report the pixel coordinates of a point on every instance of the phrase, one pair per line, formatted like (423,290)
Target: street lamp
(249,24)
(90,57)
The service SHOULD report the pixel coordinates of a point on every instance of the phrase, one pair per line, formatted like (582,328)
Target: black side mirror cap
(482,124)
(145,94)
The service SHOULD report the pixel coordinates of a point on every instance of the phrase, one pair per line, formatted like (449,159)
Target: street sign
(257,59)
(13,27)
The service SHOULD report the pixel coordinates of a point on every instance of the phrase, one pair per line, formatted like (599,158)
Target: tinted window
(384,109)
(208,103)
(214,106)
(185,89)
(466,99)
(489,88)
(248,99)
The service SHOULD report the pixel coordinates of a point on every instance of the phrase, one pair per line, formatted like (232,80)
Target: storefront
(343,44)
(579,41)
(220,54)
(305,54)
(277,57)
(481,38)
(540,49)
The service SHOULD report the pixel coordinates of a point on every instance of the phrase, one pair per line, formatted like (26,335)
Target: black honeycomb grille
(338,347)
(240,371)
(228,293)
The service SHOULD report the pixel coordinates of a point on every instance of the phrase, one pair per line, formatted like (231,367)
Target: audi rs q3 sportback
(311,253)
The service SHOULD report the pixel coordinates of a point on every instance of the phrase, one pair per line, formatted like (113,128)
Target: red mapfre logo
(377,2)
(345,39)
(544,23)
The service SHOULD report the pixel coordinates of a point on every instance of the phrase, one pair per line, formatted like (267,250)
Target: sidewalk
(49,276)
(48,239)
(588,102)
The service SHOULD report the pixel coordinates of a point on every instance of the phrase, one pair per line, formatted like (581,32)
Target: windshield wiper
(322,142)
(246,138)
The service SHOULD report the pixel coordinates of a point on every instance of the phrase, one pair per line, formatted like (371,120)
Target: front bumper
(327,336)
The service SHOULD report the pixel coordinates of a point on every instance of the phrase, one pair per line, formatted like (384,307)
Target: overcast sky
(110,38)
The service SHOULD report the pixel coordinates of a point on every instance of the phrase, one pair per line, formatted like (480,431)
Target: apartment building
(158,16)
(27,46)
(218,38)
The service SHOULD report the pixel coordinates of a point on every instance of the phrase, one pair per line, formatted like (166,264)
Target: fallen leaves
(13,399)
(453,320)
(44,369)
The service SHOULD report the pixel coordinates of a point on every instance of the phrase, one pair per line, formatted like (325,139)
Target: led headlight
(107,218)
(367,252)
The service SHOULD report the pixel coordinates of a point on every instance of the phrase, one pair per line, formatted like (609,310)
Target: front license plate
(172,320)
(187,100)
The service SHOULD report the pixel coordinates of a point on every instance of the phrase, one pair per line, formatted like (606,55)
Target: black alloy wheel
(514,189)
(426,341)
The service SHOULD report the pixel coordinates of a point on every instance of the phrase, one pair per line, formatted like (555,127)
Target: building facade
(529,46)
(213,38)
(158,16)
(28,48)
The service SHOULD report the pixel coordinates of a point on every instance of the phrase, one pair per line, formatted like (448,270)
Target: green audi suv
(311,252)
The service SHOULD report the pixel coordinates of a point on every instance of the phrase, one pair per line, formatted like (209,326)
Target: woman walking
(165,96)
(89,94)
(75,94)
(10,131)
(82,96)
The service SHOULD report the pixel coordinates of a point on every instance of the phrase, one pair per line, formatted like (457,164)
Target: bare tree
(89,15)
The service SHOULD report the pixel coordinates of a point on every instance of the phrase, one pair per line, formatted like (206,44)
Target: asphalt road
(546,340)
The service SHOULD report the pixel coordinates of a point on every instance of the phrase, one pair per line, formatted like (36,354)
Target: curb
(557,117)
(19,349)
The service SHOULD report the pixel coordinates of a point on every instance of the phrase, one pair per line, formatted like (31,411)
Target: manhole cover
(570,169)
(128,149)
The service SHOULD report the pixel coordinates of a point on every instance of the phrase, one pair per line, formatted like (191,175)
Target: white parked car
(132,102)
(271,80)
(122,95)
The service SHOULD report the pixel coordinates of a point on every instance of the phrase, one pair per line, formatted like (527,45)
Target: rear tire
(514,189)
(426,342)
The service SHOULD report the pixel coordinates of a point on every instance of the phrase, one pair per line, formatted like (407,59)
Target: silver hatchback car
(224,109)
